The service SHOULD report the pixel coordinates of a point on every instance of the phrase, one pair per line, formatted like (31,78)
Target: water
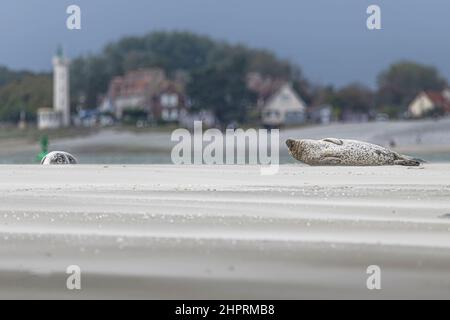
(92,158)
(162,158)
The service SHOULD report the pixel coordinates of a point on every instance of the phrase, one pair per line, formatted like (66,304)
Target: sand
(224,232)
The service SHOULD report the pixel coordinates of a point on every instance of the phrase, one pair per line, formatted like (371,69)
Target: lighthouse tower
(61,98)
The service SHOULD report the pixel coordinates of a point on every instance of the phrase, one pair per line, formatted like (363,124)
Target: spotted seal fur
(59,157)
(340,152)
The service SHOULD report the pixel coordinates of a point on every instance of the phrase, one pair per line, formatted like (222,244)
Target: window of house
(165,114)
(169,100)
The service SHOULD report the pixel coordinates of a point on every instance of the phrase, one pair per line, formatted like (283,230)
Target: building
(446,93)
(59,116)
(61,96)
(264,86)
(170,103)
(48,119)
(147,91)
(430,103)
(284,107)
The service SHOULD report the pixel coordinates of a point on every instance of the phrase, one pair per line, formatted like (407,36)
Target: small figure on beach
(59,157)
(392,143)
(419,139)
(340,152)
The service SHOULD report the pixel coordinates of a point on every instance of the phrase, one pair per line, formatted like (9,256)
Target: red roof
(439,100)
(264,86)
(144,81)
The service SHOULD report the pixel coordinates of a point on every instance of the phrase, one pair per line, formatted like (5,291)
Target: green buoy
(44,148)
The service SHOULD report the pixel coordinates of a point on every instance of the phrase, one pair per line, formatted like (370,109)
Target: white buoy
(59,157)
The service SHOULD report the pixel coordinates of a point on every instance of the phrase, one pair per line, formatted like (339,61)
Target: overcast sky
(327,38)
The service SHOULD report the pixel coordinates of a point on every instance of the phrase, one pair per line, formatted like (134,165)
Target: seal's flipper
(329,161)
(419,160)
(403,160)
(407,162)
(339,142)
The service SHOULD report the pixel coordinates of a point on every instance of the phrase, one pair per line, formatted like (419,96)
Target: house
(170,104)
(284,107)
(446,93)
(263,86)
(48,118)
(430,103)
(146,91)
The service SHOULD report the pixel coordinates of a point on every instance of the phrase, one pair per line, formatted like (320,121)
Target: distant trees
(216,70)
(27,93)
(396,88)
(170,51)
(89,78)
(215,73)
(222,89)
(401,82)
(356,98)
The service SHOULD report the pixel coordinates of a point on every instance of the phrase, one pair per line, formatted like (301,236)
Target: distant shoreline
(427,138)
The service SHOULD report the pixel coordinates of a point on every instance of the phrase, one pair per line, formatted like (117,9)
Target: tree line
(216,78)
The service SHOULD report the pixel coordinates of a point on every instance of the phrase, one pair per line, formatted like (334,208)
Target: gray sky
(327,38)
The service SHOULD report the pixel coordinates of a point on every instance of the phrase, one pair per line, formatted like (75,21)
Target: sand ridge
(164,231)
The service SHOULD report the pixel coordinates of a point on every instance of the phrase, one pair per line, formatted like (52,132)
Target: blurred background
(113,91)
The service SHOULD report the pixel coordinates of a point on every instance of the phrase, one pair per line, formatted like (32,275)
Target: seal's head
(295,148)
(290,143)
(305,149)
(59,157)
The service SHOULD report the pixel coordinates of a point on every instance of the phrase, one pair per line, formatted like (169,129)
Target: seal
(340,152)
(59,157)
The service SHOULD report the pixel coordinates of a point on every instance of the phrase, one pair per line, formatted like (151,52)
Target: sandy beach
(224,232)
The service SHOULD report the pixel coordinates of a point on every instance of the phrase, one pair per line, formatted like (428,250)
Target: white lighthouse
(61,97)
(59,115)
